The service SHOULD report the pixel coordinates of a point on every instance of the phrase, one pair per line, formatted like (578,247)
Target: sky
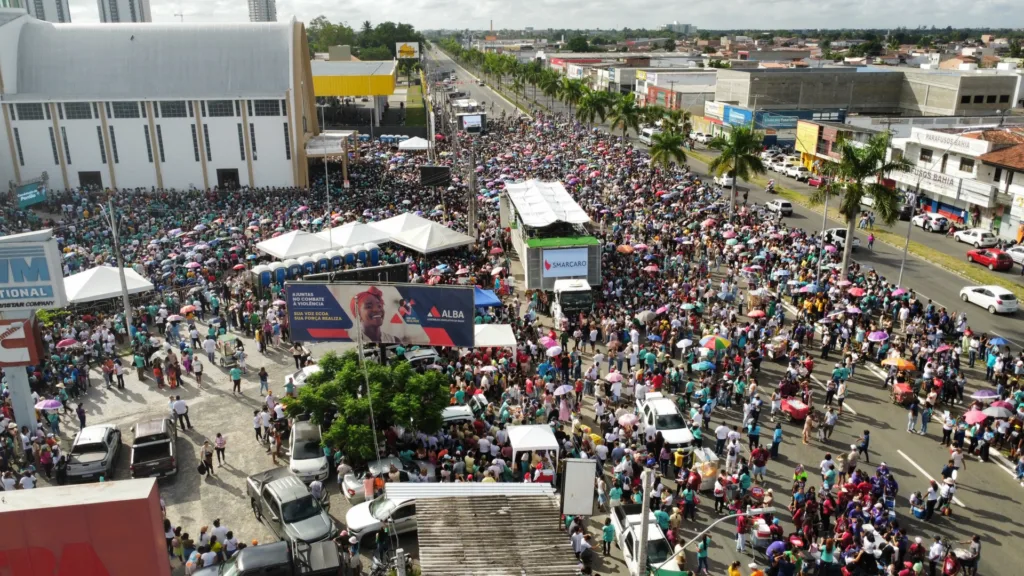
(542,14)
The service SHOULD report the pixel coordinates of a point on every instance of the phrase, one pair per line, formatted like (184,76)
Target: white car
(725,181)
(782,166)
(784,207)
(977,237)
(366,518)
(352,484)
(1017,253)
(931,222)
(837,236)
(308,460)
(700,137)
(995,299)
(800,173)
(661,414)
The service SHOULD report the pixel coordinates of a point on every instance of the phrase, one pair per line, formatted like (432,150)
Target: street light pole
(112,221)
(748,512)
(327,171)
(824,220)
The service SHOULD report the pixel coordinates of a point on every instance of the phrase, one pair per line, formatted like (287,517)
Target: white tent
(103,282)
(541,204)
(532,437)
(494,335)
(353,234)
(398,224)
(431,237)
(294,244)
(415,143)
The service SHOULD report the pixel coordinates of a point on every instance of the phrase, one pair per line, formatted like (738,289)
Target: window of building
(202,107)
(17,145)
(78,110)
(60,110)
(30,111)
(173,109)
(195,142)
(95,111)
(252,139)
(897,154)
(126,109)
(103,149)
(248,104)
(190,111)
(160,142)
(53,146)
(926,155)
(990,99)
(219,109)
(206,139)
(979,99)
(149,143)
(287,144)
(284,107)
(822,147)
(113,145)
(998,175)
(268,108)
(14,116)
(142,107)
(965,99)
(967,165)
(238,108)
(67,149)
(109,113)
(1003,99)
(241,141)
(46,110)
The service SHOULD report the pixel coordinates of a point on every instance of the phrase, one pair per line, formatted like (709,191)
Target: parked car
(784,207)
(422,358)
(816,181)
(285,505)
(700,137)
(154,449)
(799,173)
(837,236)
(662,415)
(280,559)
(94,453)
(931,222)
(366,518)
(977,237)
(1016,253)
(352,484)
(725,181)
(308,461)
(992,259)
(995,299)
(627,520)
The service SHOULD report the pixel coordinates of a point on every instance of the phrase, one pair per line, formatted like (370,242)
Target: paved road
(467,82)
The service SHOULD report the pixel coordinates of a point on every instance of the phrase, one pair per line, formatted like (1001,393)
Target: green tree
(678,121)
(1015,49)
(739,156)
(593,106)
(847,179)
(652,114)
(376,53)
(578,44)
(625,114)
(337,400)
(570,91)
(322,34)
(550,84)
(669,44)
(667,148)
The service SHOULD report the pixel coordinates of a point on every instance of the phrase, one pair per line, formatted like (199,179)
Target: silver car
(352,484)
(94,453)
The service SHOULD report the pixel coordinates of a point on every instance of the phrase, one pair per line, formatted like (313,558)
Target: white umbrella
(684,343)
(554,351)
(563,390)
(614,377)
(488,369)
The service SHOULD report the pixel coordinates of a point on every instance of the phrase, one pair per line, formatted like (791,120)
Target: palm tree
(550,84)
(677,121)
(570,92)
(651,114)
(518,84)
(593,105)
(667,149)
(739,156)
(848,177)
(625,114)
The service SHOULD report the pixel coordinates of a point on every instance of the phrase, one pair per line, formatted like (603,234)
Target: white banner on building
(565,262)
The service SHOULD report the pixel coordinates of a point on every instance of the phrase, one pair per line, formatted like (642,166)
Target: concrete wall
(37,152)
(986,85)
(803,89)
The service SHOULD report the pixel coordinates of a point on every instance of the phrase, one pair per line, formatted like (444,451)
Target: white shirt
(180,407)
(265,419)
(935,552)
(722,432)
(28,482)
(9,483)
(257,421)
(221,532)
(209,559)
(279,411)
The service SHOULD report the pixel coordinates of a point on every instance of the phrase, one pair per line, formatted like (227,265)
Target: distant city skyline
(604,14)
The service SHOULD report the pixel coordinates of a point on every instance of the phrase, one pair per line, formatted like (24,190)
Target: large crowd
(694,299)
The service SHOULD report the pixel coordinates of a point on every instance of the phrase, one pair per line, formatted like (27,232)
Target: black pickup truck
(280,559)
(154,450)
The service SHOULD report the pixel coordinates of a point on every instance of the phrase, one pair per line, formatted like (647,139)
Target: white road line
(927,475)
(1003,463)
(846,405)
(1005,338)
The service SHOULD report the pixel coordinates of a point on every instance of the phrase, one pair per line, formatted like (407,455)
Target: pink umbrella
(301,209)
(943,348)
(729,234)
(878,336)
(651,268)
(661,310)
(853,310)
(830,248)
(899,292)
(708,223)
(614,377)
(67,343)
(856,292)
(548,342)
(975,417)
(756,314)
(843,283)
(640,246)
(1002,404)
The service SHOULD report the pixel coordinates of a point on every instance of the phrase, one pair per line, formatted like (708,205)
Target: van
(647,135)
(422,358)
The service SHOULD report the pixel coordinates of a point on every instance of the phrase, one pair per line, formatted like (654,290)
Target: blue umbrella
(702,366)
(998,341)
(654,337)
(250,257)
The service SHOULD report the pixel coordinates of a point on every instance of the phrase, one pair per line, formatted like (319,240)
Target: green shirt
(236,373)
(608,533)
(702,549)
(662,518)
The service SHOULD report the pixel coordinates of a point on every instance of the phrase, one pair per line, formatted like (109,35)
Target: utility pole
(112,221)
(824,219)
(471,217)
(645,512)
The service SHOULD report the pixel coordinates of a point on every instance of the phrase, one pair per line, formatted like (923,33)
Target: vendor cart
(778,348)
(795,409)
(902,394)
(705,463)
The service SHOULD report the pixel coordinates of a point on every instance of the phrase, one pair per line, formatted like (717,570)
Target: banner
(405,314)
(565,262)
(30,194)
(407,49)
(31,271)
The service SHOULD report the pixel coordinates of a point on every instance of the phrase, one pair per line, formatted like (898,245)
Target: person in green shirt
(236,379)
(140,366)
(702,554)
(689,504)
(615,495)
(662,518)
(460,396)
(690,387)
(289,387)
(607,536)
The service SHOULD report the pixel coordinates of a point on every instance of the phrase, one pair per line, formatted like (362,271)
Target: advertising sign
(407,49)
(471,121)
(384,313)
(641,75)
(736,116)
(950,142)
(565,262)
(31,273)
(18,343)
(31,194)
(714,110)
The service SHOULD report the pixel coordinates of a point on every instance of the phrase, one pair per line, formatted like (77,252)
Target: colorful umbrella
(878,336)
(975,417)
(714,342)
(899,363)
(856,292)
(67,343)
(756,314)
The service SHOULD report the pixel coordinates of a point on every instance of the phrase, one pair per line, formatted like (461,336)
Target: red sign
(19,345)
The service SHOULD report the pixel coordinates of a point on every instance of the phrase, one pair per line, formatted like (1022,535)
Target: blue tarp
(485,298)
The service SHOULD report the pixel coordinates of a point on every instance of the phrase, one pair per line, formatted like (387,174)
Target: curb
(497,91)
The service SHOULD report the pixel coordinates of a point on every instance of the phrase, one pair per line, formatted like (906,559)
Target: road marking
(846,405)
(927,475)
(1005,338)
(1003,462)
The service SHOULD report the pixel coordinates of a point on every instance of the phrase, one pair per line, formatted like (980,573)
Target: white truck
(571,297)
(627,519)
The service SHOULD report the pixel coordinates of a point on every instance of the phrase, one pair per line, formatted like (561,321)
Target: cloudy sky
(714,14)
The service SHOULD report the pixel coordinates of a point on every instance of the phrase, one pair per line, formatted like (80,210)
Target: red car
(993,259)
(815,181)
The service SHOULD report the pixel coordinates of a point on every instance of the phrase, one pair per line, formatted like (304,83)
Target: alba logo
(445,314)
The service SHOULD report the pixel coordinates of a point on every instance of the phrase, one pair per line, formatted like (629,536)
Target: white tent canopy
(432,237)
(414,143)
(353,234)
(494,335)
(398,224)
(294,244)
(103,282)
(532,437)
(541,204)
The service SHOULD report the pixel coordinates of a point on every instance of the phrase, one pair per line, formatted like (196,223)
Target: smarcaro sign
(563,263)
(31,275)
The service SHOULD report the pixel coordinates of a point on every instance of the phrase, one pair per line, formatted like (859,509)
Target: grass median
(960,266)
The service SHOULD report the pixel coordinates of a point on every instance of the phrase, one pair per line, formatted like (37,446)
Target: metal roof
(349,68)
(542,204)
(523,533)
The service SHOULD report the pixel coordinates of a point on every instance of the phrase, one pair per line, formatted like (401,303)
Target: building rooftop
(353,68)
(1010,157)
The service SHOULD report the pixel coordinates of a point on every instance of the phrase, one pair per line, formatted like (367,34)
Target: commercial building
(678,28)
(1007,165)
(818,141)
(964,174)
(172,106)
(113,11)
(263,10)
(49,10)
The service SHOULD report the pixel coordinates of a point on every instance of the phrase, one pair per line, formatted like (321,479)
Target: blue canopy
(485,298)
